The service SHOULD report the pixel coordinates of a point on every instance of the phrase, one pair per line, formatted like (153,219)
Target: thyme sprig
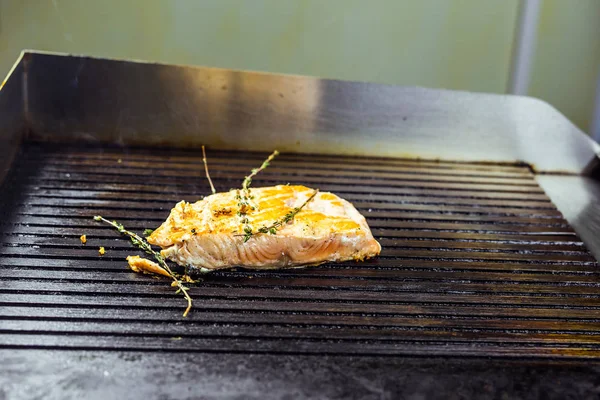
(145,246)
(212,188)
(245,198)
(255,171)
(272,229)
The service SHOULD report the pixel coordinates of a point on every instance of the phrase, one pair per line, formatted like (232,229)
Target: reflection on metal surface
(80,98)
(243,110)
(578,198)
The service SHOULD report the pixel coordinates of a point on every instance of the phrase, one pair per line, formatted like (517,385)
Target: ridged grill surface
(476,261)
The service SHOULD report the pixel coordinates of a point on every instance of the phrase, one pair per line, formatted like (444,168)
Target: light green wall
(455,44)
(567,60)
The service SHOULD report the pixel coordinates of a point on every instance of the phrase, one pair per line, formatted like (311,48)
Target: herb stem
(245,199)
(144,245)
(255,171)
(212,188)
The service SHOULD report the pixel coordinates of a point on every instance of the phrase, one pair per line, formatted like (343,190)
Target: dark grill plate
(476,262)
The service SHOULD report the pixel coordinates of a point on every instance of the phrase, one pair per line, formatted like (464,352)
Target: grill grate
(476,261)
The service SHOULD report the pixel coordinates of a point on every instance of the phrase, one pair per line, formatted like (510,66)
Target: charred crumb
(222,211)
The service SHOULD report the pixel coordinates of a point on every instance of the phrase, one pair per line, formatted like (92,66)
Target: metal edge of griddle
(12,102)
(78,98)
(578,199)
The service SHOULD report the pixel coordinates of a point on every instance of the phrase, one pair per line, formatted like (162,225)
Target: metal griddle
(483,288)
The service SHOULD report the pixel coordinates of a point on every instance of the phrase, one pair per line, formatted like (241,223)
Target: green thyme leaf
(148,232)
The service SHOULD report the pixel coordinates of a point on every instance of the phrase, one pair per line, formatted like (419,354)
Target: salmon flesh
(209,234)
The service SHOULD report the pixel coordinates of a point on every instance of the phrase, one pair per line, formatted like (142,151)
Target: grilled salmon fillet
(210,234)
